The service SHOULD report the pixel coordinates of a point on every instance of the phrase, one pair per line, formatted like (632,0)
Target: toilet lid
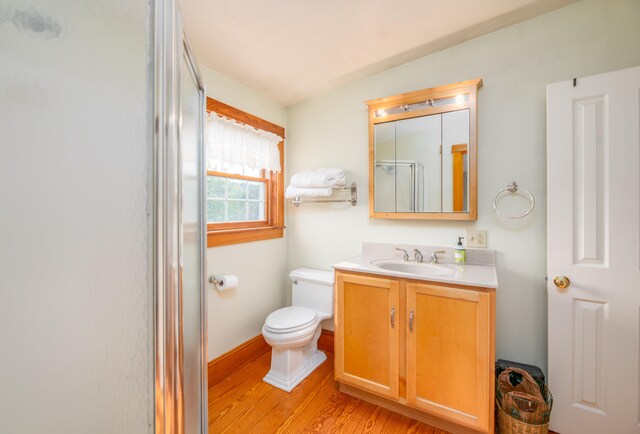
(290,319)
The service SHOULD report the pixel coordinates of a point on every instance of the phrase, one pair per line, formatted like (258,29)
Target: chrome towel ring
(512,188)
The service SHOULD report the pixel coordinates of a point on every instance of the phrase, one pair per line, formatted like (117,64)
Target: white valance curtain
(230,143)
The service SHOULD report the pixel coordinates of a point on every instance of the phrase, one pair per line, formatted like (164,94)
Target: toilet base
(290,367)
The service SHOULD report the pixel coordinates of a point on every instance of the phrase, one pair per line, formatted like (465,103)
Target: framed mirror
(423,154)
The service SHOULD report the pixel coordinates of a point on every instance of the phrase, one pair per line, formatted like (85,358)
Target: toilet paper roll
(226,281)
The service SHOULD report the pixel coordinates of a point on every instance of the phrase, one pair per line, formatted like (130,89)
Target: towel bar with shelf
(353,200)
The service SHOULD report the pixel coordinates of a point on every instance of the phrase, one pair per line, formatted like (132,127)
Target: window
(236,199)
(244,204)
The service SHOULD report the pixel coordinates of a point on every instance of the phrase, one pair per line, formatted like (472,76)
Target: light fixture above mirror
(423,154)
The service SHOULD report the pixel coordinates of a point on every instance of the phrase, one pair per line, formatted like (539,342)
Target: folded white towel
(293,191)
(319,178)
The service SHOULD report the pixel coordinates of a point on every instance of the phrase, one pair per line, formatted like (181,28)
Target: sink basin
(420,269)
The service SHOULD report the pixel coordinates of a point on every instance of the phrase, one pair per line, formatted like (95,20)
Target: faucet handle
(405,255)
(434,256)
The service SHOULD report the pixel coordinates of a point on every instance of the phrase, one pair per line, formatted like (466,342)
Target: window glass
(235,200)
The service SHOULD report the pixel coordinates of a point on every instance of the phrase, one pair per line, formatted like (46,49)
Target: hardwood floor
(243,403)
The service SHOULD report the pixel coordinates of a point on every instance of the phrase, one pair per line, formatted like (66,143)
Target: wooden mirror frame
(469,87)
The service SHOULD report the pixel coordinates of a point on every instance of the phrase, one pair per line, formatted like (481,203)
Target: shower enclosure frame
(170,47)
(416,183)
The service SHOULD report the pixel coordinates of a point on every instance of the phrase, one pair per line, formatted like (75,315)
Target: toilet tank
(313,289)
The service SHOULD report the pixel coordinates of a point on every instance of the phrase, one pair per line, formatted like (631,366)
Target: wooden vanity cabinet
(368,336)
(449,356)
(434,363)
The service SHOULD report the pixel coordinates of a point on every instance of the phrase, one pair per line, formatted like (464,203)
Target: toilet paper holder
(216,281)
(224,282)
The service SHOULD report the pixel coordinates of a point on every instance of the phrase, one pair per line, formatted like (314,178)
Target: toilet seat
(291,319)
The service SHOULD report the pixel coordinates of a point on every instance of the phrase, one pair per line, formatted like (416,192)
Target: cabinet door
(449,356)
(367,333)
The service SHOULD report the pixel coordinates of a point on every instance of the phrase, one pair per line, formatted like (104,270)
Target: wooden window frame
(221,234)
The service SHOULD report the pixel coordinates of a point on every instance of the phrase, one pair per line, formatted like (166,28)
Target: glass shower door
(76,161)
(192,244)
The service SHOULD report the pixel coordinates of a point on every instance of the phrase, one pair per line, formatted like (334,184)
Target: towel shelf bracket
(353,188)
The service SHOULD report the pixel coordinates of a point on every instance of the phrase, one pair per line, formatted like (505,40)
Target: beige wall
(237,315)
(516,64)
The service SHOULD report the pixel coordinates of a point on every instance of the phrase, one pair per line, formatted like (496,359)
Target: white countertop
(483,276)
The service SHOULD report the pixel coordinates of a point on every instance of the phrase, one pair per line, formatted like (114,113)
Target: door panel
(448,353)
(593,237)
(367,342)
(591,181)
(589,322)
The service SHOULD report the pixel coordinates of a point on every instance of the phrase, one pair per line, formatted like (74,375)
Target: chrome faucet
(417,255)
(405,255)
(434,256)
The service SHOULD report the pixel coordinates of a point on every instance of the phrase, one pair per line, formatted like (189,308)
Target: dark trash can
(534,371)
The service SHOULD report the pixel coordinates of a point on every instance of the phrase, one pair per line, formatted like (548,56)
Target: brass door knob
(561,281)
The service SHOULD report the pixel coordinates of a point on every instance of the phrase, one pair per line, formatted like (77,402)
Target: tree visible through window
(244,204)
(236,199)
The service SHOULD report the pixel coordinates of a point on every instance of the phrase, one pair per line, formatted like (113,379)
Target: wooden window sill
(236,236)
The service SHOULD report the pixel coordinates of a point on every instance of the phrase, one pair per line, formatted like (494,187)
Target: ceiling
(291,50)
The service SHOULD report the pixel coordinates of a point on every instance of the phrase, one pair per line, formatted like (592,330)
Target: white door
(593,239)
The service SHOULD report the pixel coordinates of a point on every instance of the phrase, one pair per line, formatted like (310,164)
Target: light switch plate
(476,238)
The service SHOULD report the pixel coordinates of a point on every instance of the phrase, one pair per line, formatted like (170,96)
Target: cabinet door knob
(411,321)
(561,281)
(393,317)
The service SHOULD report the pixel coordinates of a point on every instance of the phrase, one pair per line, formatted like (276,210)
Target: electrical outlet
(476,238)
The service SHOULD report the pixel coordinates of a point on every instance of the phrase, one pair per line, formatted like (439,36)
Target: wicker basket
(522,406)
(508,425)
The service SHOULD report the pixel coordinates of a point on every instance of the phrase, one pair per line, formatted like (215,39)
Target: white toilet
(293,331)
